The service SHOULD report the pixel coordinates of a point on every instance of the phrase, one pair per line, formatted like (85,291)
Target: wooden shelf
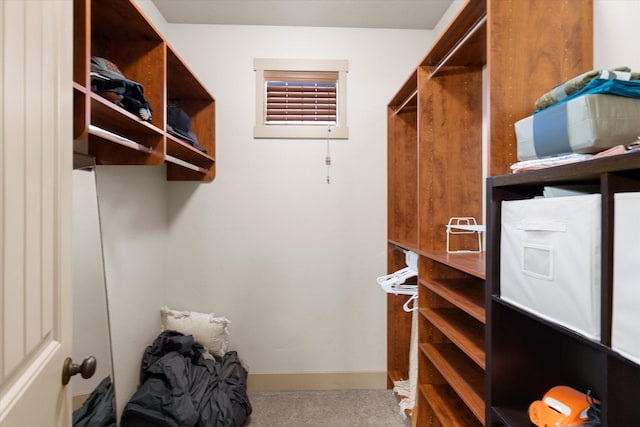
(473,264)
(588,171)
(464,377)
(404,245)
(447,407)
(449,126)
(123,16)
(78,87)
(183,150)
(465,332)
(186,91)
(562,329)
(397,376)
(102,29)
(513,417)
(580,362)
(466,294)
(114,118)
(80,116)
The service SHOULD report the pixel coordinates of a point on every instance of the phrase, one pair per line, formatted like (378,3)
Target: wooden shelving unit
(446,407)
(529,355)
(465,378)
(118,31)
(450,126)
(467,294)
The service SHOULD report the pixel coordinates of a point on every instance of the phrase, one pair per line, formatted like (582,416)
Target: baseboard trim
(318,381)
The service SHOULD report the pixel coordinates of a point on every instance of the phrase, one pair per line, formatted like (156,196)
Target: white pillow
(212,332)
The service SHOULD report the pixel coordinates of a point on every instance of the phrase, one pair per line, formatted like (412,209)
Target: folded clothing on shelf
(586,124)
(108,81)
(576,85)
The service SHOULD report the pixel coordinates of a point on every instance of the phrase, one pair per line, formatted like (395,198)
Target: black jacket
(180,388)
(99,408)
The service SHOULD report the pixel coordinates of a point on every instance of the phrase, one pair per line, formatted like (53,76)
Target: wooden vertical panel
(623,378)
(403,177)
(450,152)
(426,139)
(610,185)
(399,328)
(81,35)
(402,213)
(527,57)
(13,168)
(81,69)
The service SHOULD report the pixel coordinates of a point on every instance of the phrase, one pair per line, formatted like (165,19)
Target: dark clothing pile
(180,387)
(179,125)
(99,408)
(108,81)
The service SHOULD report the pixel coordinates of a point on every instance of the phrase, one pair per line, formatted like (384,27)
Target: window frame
(301,131)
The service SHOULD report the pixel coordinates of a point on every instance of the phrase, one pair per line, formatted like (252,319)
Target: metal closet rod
(444,60)
(406,101)
(110,136)
(184,164)
(460,42)
(102,133)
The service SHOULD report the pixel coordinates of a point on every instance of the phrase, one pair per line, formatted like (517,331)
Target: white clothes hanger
(414,299)
(395,282)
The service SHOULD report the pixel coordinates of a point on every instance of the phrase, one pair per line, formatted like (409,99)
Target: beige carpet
(333,408)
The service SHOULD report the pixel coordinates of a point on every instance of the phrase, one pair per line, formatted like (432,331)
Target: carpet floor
(326,408)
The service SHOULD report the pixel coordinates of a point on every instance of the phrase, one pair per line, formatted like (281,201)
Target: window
(301,99)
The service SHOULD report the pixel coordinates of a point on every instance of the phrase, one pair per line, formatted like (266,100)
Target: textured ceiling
(399,14)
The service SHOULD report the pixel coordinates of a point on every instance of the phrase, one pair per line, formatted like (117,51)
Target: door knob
(86,369)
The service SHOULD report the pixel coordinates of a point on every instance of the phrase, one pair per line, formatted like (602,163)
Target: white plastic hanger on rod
(394,283)
(414,299)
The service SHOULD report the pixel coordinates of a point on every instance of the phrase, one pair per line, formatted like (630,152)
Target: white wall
(615,24)
(154,16)
(448,16)
(90,321)
(291,260)
(133,208)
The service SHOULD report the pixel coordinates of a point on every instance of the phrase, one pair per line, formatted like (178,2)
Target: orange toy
(561,406)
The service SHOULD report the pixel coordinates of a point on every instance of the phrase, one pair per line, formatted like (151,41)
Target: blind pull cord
(327,159)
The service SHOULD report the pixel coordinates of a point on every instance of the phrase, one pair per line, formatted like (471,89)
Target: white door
(36,113)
